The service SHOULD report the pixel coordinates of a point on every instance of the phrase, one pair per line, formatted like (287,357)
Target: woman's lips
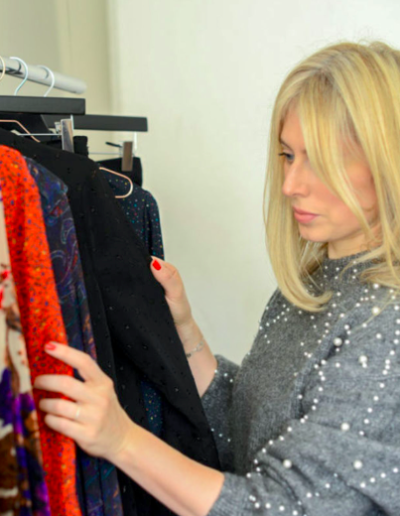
(302,212)
(304,217)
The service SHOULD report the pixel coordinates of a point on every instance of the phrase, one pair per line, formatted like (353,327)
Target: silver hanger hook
(3,72)
(26,73)
(53,79)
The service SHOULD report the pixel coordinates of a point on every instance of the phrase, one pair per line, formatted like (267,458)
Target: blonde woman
(309,424)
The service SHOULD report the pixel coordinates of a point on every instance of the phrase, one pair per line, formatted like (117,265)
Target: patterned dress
(97,482)
(40,316)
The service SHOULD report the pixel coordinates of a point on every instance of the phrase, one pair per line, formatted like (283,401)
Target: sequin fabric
(97,482)
(23,490)
(309,424)
(141,210)
(40,316)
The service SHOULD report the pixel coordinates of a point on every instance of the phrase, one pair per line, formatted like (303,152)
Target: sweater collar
(330,269)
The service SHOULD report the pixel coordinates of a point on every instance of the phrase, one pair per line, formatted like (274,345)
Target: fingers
(67,427)
(167,275)
(61,408)
(87,368)
(70,387)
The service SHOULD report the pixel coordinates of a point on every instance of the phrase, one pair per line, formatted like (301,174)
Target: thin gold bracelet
(199,347)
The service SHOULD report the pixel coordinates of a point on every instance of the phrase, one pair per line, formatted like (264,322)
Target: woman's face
(334,223)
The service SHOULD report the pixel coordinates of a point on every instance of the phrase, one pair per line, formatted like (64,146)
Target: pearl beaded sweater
(309,424)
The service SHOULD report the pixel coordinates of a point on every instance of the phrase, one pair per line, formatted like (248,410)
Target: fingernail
(156,265)
(50,346)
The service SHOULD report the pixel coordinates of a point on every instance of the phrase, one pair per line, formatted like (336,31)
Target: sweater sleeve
(217,402)
(341,456)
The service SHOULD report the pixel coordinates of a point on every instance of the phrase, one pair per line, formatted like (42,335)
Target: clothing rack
(42,105)
(104,123)
(39,75)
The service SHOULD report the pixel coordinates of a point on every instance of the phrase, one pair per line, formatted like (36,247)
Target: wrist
(190,335)
(124,444)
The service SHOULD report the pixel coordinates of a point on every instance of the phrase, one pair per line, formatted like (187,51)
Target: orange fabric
(41,316)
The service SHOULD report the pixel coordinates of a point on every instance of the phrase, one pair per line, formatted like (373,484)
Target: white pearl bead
(287,464)
(345,427)
(376,285)
(376,310)
(363,359)
(338,341)
(357,464)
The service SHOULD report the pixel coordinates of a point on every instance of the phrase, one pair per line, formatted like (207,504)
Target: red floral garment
(40,316)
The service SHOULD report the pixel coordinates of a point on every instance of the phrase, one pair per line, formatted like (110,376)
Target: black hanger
(30,111)
(104,123)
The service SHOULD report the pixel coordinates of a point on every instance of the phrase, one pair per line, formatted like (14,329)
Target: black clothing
(141,210)
(133,328)
(80,145)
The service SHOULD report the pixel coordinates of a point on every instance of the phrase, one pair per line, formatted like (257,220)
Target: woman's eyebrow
(304,151)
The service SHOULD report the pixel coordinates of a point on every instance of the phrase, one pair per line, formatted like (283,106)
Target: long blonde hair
(344,92)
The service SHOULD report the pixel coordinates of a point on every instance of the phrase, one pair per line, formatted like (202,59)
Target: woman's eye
(288,157)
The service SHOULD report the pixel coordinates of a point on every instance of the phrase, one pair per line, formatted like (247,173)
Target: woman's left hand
(94,418)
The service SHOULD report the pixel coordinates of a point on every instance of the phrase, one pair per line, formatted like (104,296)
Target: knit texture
(309,424)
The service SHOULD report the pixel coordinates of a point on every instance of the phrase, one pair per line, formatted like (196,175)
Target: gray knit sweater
(309,424)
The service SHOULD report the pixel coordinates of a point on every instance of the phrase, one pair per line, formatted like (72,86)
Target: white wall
(206,74)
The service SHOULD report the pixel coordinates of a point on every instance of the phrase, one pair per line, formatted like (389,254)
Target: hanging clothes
(40,315)
(142,211)
(97,484)
(133,328)
(23,489)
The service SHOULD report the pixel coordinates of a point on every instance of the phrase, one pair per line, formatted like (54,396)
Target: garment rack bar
(105,123)
(41,76)
(42,105)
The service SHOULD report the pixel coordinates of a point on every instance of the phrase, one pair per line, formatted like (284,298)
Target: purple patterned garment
(97,484)
(23,490)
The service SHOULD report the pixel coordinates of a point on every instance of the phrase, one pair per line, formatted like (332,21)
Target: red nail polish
(50,346)
(156,265)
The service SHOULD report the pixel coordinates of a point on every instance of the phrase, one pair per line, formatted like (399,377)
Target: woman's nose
(295,183)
